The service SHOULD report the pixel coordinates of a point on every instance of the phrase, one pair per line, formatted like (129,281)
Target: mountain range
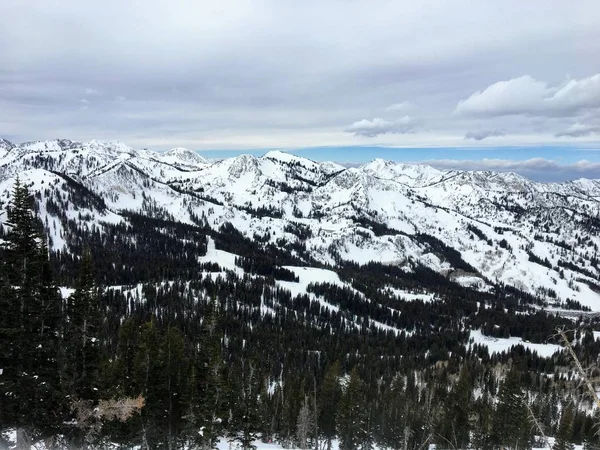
(502,228)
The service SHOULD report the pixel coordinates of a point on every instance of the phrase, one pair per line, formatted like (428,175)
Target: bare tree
(536,422)
(582,372)
(304,424)
(91,419)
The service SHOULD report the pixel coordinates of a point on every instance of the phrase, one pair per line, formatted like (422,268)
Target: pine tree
(393,417)
(82,336)
(352,417)
(455,426)
(511,424)
(214,392)
(483,422)
(148,379)
(245,419)
(564,433)
(32,399)
(173,365)
(329,396)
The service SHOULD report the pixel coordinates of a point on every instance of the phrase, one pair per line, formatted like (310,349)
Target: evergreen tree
(352,415)
(393,418)
(455,426)
(206,391)
(82,339)
(32,399)
(245,422)
(329,396)
(512,427)
(484,410)
(172,367)
(564,433)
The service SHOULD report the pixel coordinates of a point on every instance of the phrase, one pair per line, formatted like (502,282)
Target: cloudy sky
(476,84)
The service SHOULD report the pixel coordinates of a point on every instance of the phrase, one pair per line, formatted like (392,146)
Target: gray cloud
(579,130)
(279,73)
(378,126)
(536,168)
(483,134)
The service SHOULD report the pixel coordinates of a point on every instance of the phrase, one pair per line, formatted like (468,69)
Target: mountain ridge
(538,237)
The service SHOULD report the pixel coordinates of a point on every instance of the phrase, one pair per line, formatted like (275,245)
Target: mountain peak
(5,144)
(281,156)
(183,155)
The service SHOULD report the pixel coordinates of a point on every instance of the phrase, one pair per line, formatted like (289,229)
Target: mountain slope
(480,229)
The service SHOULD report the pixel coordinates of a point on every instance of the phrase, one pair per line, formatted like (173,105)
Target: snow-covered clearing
(409,296)
(498,345)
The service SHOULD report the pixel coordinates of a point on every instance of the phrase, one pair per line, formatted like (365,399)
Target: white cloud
(576,95)
(516,96)
(579,130)
(483,134)
(90,91)
(526,95)
(377,126)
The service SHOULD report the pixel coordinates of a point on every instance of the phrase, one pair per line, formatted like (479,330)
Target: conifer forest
(132,341)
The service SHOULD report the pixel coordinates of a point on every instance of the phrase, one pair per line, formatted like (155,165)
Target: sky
(508,85)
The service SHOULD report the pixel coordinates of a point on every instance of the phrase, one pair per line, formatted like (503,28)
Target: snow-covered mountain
(541,238)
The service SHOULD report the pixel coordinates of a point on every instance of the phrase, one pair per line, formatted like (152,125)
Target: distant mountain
(477,228)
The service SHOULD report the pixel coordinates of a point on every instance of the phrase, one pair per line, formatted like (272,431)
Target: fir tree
(245,422)
(393,417)
(564,433)
(82,336)
(511,424)
(32,399)
(329,396)
(214,395)
(352,416)
(455,426)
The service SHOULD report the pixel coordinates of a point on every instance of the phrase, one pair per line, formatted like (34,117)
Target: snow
(409,198)
(307,275)
(182,157)
(65,292)
(225,444)
(224,259)
(499,345)
(409,296)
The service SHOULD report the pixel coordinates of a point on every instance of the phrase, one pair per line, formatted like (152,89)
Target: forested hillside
(214,318)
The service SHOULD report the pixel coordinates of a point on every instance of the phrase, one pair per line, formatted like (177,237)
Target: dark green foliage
(207,392)
(82,330)
(455,427)
(261,265)
(30,388)
(245,424)
(564,434)
(352,419)
(512,426)
(445,252)
(329,397)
